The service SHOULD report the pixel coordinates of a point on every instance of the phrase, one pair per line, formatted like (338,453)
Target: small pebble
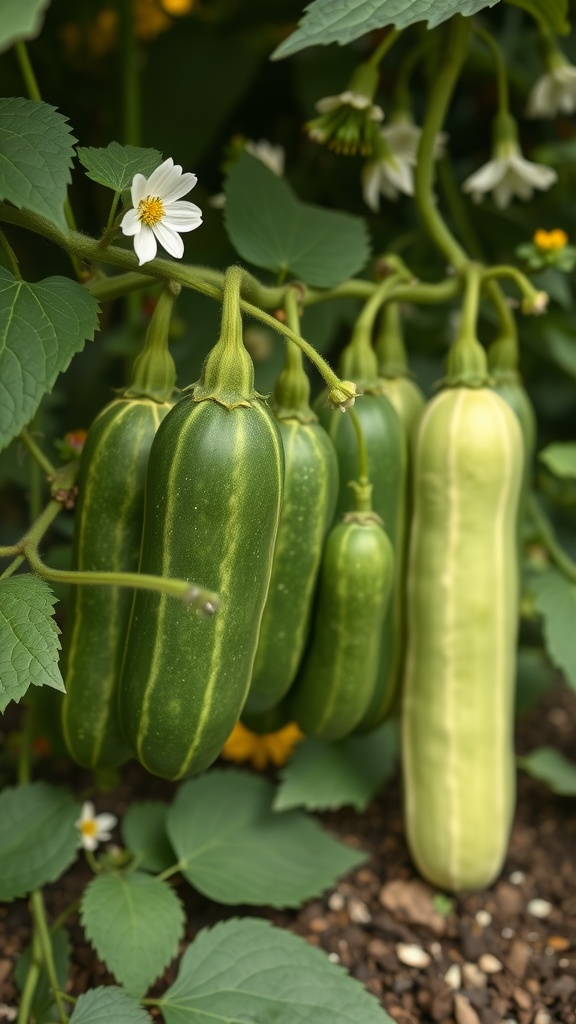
(517,877)
(436,949)
(453,977)
(542,1017)
(334,958)
(463,1011)
(473,977)
(507,933)
(411,955)
(489,964)
(532,936)
(559,943)
(564,962)
(483,918)
(539,908)
(358,911)
(336,901)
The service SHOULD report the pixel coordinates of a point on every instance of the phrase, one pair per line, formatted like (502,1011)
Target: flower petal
(145,245)
(163,178)
(486,177)
(130,223)
(538,175)
(329,103)
(87,811)
(139,188)
(169,240)
(371,186)
(105,821)
(182,216)
(180,188)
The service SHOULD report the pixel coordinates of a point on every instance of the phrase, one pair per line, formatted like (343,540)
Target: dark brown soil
(512,966)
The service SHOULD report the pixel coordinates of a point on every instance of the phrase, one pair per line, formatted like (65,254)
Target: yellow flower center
(550,241)
(88,828)
(150,210)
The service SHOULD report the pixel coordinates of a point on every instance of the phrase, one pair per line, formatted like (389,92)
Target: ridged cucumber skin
(407,400)
(310,489)
(213,498)
(107,536)
(457,717)
(515,395)
(387,468)
(339,670)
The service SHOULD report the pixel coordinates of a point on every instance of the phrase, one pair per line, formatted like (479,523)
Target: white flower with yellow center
(508,174)
(94,828)
(158,214)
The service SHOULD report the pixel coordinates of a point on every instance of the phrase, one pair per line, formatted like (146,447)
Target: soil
(483,958)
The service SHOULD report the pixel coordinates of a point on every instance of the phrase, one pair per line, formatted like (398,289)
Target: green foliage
(21,19)
(327,22)
(144,833)
(534,675)
(116,165)
(322,776)
(102,1005)
(235,849)
(548,765)
(553,14)
(560,458)
(555,599)
(135,923)
(38,840)
(28,637)
(243,970)
(42,326)
(44,1009)
(270,227)
(36,152)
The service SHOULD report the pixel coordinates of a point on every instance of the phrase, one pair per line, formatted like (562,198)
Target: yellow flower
(550,241)
(273,748)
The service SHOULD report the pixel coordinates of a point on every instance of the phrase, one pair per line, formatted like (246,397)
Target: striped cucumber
(107,535)
(387,465)
(213,497)
(339,671)
(394,374)
(310,487)
(462,620)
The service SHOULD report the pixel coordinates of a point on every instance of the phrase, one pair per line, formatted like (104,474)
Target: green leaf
(135,923)
(271,228)
(108,1005)
(323,776)
(21,19)
(550,766)
(38,840)
(36,152)
(246,970)
(29,644)
(116,165)
(553,14)
(44,1008)
(562,347)
(235,849)
(560,458)
(41,327)
(144,833)
(555,599)
(342,21)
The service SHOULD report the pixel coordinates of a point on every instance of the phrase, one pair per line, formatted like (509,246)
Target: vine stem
(383,48)
(455,55)
(41,926)
(527,290)
(37,453)
(547,536)
(500,66)
(30,985)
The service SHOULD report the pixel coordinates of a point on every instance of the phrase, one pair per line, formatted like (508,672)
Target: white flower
(271,156)
(157,215)
(508,175)
(389,175)
(93,828)
(350,99)
(554,92)
(403,137)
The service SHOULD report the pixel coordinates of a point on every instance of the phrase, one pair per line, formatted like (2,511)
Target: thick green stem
(37,453)
(386,45)
(454,57)
(458,207)
(533,301)
(547,537)
(466,363)
(30,985)
(41,927)
(361,487)
(505,315)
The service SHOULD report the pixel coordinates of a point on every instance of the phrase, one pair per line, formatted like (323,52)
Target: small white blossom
(554,92)
(94,828)
(350,99)
(388,176)
(273,157)
(508,175)
(403,137)
(158,215)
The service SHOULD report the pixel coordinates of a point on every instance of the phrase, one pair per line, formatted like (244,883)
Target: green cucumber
(310,487)
(458,753)
(107,535)
(213,498)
